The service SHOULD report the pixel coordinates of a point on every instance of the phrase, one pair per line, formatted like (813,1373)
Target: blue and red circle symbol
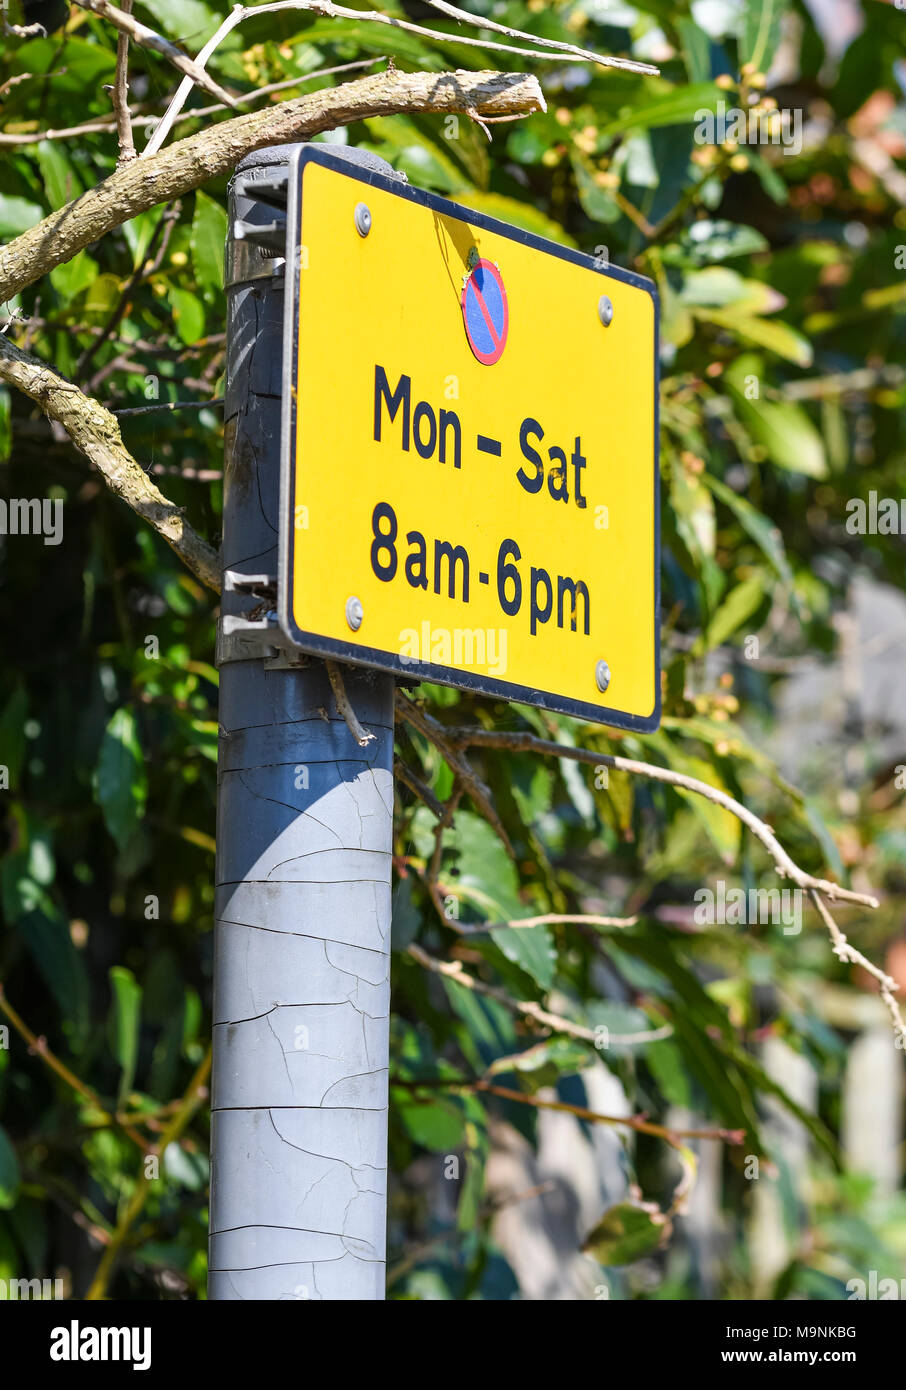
(485,312)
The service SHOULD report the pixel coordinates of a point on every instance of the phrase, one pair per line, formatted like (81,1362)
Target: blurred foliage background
(783,398)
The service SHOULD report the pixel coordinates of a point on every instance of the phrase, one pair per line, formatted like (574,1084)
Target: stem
(194,1094)
(39,1047)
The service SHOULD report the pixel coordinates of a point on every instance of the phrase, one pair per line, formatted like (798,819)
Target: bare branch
(69,132)
(22,31)
(435,732)
(453,970)
(818,888)
(39,1048)
(157,246)
(786,868)
(144,183)
(121,94)
(560,49)
(193,1096)
(418,788)
(636,1122)
(542,50)
(338,686)
(846,952)
(168,407)
(13,81)
(148,38)
(95,432)
(142,120)
(578,919)
(184,89)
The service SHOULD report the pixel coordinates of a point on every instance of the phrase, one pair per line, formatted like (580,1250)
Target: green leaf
(574,780)
(188,315)
(121,785)
(696,49)
(426,167)
(61,182)
(665,1062)
(676,107)
(782,427)
(772,334)
(726,1070)
(626,1232)
(101,298)
(528,140)
(709,241)
(45,932)
(17,215)
(520,214)
(184,19)
(531,948)
(77,81)
(760,32)
(123,1025)
(677,324)
(701,1030)
(9,1172)
(436,1123)
(546,1062)
(209,229)
(740,603)
(597,203)
(766,1083)
(484,865)
(468,1209)
(138,232)
(694,512)
(762,530)
(718,287)
(74,276)
(489,1030)
(425,161)
(768,177)
(488,876)
(532,788)
(722,826)
(615,1025)
(189,1169)
(379,38)
(829,846)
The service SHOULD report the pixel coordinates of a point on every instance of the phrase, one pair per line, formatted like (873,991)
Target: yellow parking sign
(470,450)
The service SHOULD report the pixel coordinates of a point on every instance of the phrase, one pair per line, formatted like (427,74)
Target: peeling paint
(302,920)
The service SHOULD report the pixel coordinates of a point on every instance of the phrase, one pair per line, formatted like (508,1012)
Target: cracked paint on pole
(302,930)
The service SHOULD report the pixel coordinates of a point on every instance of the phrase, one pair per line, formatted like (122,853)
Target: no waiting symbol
(485,312)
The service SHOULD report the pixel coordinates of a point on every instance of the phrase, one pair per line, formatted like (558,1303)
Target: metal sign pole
(304,838)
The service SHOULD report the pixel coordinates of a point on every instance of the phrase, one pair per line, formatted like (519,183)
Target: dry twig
(338,686)
(542,49)
(144,183)
(139,33)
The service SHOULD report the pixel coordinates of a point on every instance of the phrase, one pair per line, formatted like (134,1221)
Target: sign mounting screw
(362,217)
(605,310)
(602,671)
(354,612)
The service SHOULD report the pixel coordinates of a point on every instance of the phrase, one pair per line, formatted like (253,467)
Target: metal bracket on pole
(254,633)
(273,191)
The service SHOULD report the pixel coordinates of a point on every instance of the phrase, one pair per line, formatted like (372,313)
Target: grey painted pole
(302,930)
